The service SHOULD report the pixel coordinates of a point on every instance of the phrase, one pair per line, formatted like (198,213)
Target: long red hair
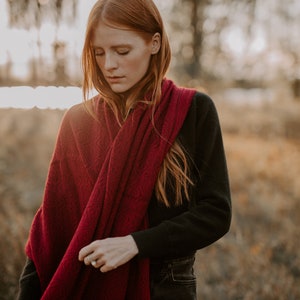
(143,17)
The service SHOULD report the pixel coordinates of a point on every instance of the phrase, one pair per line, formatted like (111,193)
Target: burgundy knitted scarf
(99,184)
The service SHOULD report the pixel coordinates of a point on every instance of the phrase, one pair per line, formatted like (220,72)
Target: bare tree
(186,22)
(197,20)
(32,14)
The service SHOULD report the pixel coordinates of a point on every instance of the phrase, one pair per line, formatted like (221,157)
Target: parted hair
(143,17)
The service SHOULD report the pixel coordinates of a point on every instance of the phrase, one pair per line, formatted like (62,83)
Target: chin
(120,89)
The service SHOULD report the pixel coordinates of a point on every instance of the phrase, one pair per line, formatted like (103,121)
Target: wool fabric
(100,181)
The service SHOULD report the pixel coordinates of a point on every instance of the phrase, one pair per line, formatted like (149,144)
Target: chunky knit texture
(99,184)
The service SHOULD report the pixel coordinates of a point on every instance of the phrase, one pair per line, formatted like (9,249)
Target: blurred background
(244,53)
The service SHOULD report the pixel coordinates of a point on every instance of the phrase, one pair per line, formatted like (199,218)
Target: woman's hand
(110,253)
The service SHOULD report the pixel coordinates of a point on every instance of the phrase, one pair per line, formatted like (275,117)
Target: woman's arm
(29,284)
(207,218)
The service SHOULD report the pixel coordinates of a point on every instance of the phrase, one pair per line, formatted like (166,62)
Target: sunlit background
(224,44)
(244,53)
(47,53)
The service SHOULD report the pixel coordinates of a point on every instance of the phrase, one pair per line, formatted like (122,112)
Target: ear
(156,43)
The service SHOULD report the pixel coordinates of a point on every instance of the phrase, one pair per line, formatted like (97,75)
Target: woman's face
(122,55)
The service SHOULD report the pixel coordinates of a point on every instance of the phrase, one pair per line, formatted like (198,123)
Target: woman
(138,179)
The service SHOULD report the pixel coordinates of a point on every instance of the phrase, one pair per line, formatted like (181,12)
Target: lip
(114,79)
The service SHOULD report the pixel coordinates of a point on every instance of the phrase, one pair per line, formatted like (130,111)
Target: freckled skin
(122,55)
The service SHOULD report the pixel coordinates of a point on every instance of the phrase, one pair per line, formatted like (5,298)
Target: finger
(84,252)
(107,267)
(87,250)
(98,262)
(88,259)
(104,269)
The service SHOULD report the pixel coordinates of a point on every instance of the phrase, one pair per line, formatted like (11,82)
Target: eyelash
(96,53)
(119,53)
(123,52)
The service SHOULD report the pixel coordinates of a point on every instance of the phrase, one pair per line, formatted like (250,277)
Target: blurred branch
(31,13)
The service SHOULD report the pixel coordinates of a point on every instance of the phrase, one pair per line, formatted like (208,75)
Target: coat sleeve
(29,284)
(208,215)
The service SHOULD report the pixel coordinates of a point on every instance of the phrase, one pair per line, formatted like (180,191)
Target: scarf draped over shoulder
(99,184)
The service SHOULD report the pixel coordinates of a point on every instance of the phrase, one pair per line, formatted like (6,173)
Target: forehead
(108,35)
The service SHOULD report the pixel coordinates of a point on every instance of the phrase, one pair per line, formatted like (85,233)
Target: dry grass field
(258,259)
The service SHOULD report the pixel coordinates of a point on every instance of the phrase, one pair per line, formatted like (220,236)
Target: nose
(110,62)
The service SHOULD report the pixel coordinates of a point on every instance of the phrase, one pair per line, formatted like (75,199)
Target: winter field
(258,259)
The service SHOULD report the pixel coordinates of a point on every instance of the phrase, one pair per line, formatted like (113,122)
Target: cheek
(140,65)
(99,63)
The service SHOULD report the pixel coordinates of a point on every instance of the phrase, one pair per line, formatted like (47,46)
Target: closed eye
(118,51)
(122,51)
(98,52)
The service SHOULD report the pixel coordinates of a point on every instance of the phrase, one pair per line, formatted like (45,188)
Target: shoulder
(82,112)
(78,120)
(202,106)
(74,112)
(202,101)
